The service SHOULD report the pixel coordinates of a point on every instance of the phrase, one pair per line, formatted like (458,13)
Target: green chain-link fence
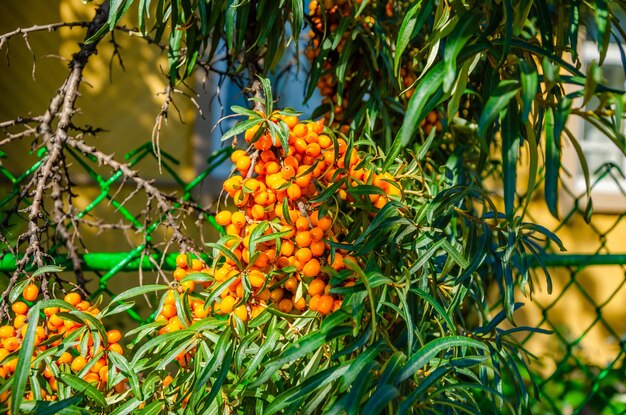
(571,375)
(107,265)
(580,367)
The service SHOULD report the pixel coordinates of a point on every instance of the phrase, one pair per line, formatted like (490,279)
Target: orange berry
(227,304)
(187,286)
(238,219)
(277,294)
(316,287)
(312,268)
(318,248)
(19,307)
(48,311)
(237,154)
(181,261)
(302,224)
(287,248)
(82,306)
(242,312)
(19,320)
(256,278)
(115,347)
(223,217)
(300,130)
(65,358)
(114,336)
(304,255)
(7,331)
(92,378)
(325,304)
(314,302)
(31,292)
(303,239)
(179,274)
(325,223)
(243,164)
(10,343)
(294,192)
(285,305)
(300,304)
(291,121)
(313,150)
(324,141)
(72,298)
(291,284)
(169,310)
(78,363)
(338,262)
(257,212)
(317,234)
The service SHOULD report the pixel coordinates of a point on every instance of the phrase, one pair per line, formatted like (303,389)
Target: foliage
(428,92)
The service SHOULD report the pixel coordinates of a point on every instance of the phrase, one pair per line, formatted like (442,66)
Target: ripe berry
(31,292)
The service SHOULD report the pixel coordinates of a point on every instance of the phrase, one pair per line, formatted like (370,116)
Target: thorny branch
(51,179)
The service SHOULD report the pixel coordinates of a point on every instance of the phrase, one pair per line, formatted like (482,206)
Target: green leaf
(498,101)
(530,83)
(298,393)
(82,386)
(603,26)
(22,370)
(510,152)
(553,164)
(47,269)
(427,353)
(297,11)
(241,127)
(411,24)
(462,33)
(416,111)
(218,248)
(137,291)
(52,408)
(17,290)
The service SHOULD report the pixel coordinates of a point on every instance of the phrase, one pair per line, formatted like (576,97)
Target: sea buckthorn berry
(197,265)
(181,262)
(7,331)
(19,321)
(48,311)
(242,312)
(227,304)
(292,284)
(179,274)
(31,292)
(302,224)
(285,305)
(115,347)
(300,305)
(300,130)
(304,255)
(325,304)
(82,305)
(10,343)
(325,223)
(316,287)
(19,307)
(294,192)
(238,219)
(312,268)
(72,298)
(223,217)
(303,239)
(236,155)
(291,121)
(169,310)
(65,358)
(78,363)
(314,302)
(114,336)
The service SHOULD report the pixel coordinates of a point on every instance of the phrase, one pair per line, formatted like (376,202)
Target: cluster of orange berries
(274,190)
(86,359)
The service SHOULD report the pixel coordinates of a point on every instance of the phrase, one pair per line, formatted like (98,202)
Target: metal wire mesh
(108,265)
(580,369)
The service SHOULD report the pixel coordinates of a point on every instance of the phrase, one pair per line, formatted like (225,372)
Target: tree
(422,102)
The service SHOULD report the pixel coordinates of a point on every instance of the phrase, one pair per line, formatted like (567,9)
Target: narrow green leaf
(553,164)
(499,99)
(82,386)
(411,24)
(22,370)
(530,83)
(47,269)
(137,291)
(432,349)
